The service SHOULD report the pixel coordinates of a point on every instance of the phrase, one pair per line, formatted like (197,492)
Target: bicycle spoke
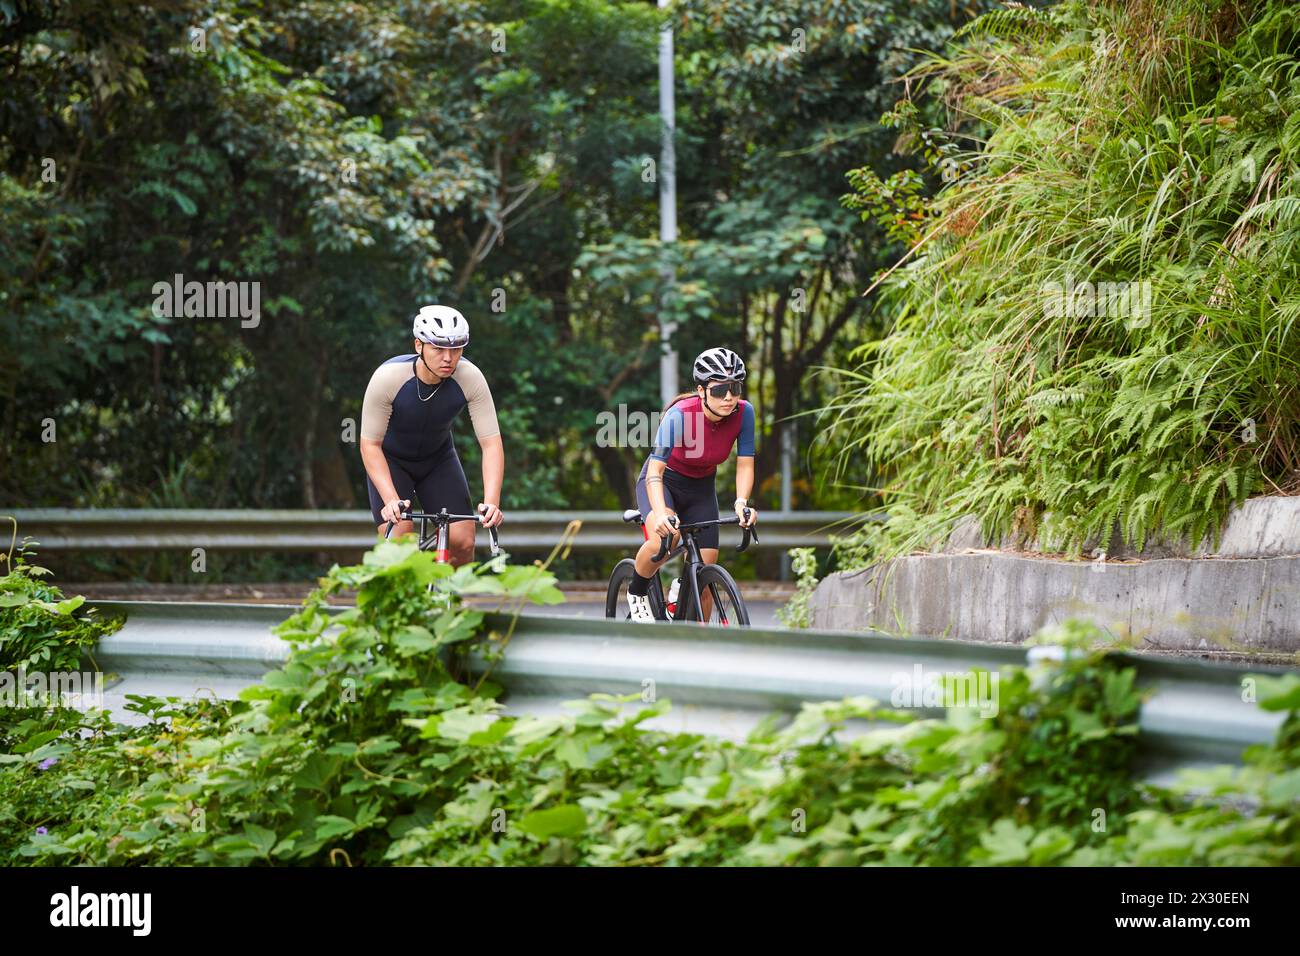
(719,608)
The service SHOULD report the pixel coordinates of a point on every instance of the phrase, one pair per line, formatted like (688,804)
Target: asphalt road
(581,599)
(762,610)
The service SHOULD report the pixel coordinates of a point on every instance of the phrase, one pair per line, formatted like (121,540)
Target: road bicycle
(682,602)
(432,536)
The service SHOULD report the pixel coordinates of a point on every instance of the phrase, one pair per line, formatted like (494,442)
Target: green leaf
(571,753)
(291,678)
(69,605)
(566,820)
(329,826)
(317,772)
(454,628)
(530,729)
(1285,788)
(1278,693)
(493,735)
(1006,842)
(459,724)
(37,740)
(413,639)
(262,839)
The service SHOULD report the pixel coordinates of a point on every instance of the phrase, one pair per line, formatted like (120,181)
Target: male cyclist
(406,438)
(696,434)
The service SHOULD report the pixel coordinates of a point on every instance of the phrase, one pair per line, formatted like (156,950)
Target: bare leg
(645,565)
(460,542)
(399,529)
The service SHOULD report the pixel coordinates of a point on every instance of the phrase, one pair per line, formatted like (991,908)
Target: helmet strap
(436,376)
(705,400)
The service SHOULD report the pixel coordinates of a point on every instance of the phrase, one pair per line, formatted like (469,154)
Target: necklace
(431,394)
(417,385)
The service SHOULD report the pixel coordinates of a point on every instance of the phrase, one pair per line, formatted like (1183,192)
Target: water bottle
(672,593)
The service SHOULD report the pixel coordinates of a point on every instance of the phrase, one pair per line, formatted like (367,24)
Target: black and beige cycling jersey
(414,420)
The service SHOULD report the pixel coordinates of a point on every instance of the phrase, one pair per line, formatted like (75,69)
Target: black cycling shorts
(436,483)
(694,499)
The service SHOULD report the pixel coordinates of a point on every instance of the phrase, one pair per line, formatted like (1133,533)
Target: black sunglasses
(721,389)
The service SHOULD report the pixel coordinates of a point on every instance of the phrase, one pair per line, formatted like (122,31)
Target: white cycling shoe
(639,606)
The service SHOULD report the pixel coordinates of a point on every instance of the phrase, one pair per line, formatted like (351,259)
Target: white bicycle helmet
(441,325)
(718,365)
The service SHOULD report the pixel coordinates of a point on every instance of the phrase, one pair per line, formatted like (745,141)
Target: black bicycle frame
(693,559)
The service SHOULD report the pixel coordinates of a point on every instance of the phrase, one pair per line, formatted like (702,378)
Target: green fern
(1123,166)
(1015,22)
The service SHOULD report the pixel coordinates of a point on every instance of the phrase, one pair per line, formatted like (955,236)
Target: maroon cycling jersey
(694,446)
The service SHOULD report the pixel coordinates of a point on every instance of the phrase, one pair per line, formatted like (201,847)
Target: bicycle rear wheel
(728,607)
(616,593)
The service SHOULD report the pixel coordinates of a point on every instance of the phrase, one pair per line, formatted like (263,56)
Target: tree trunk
(307,460)
(618,473)
(333,486)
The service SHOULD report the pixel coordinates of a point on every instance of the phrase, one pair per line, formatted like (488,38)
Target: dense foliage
(365,749)
(359,159)
(40,630)
(1151,145)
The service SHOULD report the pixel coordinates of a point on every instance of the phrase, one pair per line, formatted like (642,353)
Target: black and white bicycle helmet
(718,365)
(441,325)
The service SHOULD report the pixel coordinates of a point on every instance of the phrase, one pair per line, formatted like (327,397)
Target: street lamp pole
(667,209)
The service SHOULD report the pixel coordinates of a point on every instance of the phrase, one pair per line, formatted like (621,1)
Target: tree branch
(806,358)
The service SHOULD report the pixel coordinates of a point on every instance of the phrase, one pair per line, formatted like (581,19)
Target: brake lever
(748,536)
(494,543)
(390,525)
(665,542)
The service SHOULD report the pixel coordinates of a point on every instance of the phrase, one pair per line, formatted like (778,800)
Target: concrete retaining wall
(1243,597)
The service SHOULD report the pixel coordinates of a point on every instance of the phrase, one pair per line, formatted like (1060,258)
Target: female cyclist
(696,435)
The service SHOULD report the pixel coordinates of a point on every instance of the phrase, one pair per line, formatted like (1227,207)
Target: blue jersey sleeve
(745,440)
(671,429)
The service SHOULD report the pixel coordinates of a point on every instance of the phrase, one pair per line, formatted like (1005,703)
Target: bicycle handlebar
(748,534)
(443,517)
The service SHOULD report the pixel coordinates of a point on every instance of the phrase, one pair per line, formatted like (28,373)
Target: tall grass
(1126,142)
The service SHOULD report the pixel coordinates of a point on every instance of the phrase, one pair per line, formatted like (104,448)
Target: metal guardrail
(719,682)
(63,529)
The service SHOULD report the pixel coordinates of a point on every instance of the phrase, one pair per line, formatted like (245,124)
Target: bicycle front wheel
(616,593)
(727,609)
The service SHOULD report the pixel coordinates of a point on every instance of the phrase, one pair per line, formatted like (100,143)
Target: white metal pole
(667,207)
(787,484)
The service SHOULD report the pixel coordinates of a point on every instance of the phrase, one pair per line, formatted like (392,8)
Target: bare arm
(670,434)
(654,484)
(744,485)
(654,490)
(744,477)
(372,456)
(494,470)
